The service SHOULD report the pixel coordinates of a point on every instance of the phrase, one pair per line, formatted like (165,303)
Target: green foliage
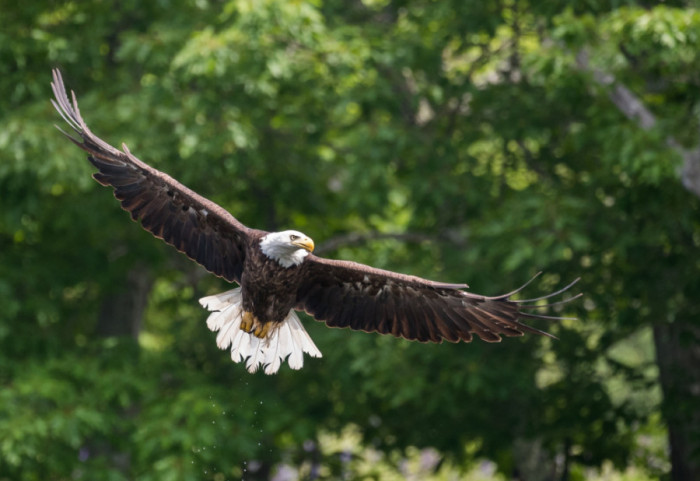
(467,123)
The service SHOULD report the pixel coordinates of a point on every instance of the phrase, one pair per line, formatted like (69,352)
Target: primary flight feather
(278,274)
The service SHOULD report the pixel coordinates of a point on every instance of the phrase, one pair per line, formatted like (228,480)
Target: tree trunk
(678,343)
(532,462)
(121,313)
(678,357)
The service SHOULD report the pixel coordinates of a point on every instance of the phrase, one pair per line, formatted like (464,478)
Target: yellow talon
(261,330)
(247,322)
(251,324)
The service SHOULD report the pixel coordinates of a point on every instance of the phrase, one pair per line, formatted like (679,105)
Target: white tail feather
(288,341)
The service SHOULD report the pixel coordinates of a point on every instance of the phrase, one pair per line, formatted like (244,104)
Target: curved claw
(261,330)
(247,322)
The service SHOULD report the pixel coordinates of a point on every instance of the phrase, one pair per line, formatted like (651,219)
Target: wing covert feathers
(199,228)
(346,294)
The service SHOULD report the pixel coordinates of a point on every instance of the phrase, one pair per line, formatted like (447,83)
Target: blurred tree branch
(356,238)
(634,109)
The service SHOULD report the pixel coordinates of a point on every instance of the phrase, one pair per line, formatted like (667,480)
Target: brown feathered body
(268,289)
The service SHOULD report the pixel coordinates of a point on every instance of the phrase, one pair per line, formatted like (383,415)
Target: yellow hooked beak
(305,243)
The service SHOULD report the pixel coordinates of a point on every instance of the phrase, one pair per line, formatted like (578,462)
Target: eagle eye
(293,237)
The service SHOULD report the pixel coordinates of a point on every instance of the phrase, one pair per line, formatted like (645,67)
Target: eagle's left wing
(348,294)
(201,229)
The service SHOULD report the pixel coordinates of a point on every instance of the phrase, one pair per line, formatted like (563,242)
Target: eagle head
(288,247)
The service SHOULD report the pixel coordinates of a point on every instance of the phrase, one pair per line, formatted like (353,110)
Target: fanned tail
(288,341)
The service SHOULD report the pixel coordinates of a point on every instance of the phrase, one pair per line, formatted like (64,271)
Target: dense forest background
(474,142)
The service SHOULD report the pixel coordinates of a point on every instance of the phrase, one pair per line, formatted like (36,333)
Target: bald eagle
(278,275)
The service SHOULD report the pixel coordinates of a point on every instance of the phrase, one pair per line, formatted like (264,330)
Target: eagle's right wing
(348,294)
(196,226)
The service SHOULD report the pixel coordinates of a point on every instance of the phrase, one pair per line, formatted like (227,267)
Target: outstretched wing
(347,294)
(201,229)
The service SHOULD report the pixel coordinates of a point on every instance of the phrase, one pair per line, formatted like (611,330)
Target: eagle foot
(261,330)
(248,321)
(252,325)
